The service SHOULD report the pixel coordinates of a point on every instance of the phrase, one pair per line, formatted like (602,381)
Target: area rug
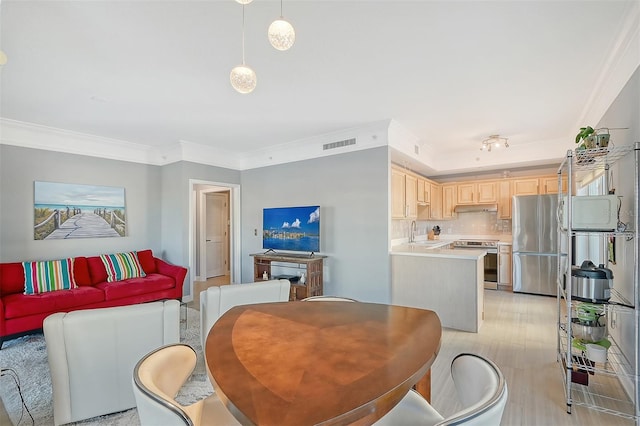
(28,357)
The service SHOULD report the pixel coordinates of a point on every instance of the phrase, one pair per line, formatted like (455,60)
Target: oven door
(491,269)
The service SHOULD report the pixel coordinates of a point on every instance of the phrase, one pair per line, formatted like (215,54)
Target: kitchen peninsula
(449,282)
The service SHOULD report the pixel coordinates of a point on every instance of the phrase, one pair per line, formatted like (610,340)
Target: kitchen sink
(431,243)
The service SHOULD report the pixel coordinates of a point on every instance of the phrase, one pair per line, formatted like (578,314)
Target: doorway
(214,223)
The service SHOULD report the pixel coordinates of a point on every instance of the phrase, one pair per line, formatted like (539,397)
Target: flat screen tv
(291,228)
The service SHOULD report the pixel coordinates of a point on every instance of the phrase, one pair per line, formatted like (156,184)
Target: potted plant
(592,138)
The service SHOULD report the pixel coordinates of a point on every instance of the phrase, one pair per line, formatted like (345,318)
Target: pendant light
(242,77)
(244,1)
(281,33)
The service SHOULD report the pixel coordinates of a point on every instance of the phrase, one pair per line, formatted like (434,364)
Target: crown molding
(36,136)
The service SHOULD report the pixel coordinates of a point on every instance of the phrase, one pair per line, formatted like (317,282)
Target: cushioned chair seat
(136,286)
(19,305)
(480,387)
(157,379)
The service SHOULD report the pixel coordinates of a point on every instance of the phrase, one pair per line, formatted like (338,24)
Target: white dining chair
(480,387)
(157,379)
(216,300)
(327,299)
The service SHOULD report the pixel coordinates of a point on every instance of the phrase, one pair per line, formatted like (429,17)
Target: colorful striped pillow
(49,275)
(122,266)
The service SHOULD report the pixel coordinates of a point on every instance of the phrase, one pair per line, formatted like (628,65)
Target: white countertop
(422,250)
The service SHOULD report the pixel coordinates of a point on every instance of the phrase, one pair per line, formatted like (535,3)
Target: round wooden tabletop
(309,363)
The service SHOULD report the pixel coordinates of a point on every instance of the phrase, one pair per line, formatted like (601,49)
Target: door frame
(235,254)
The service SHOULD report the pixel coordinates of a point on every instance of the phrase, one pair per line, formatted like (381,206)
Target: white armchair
(217,300)
(92,354)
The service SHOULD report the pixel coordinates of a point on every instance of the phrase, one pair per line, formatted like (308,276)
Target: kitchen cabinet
(504,199)
(528,186)
(398,204)
(549,184)
(448,200)
(404,194)
(424,191)
(411,196)
(435,212)
(597,385)
(504,267)
(477,192)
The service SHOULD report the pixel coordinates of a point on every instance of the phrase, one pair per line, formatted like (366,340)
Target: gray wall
(624,112)
(20,167)
(157,203)
(352,191)
(175,207)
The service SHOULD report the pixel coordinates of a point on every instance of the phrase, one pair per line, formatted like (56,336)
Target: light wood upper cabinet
(427,192)
(549,184)
(448,200)
(527,186)
(436,201)
(487,192)
(424,191)
(504,199)
(477,192)
(398,204)
(411,196)
(466,193)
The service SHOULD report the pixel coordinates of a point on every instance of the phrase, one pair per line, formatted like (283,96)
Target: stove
(490,260)
(483,244)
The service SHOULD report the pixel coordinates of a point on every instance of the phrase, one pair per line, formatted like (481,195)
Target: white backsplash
(475,223)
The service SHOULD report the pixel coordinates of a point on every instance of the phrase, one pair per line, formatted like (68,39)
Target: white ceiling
(450,73)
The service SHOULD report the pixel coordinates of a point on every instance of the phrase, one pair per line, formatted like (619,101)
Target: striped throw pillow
(49,275)
(122,266)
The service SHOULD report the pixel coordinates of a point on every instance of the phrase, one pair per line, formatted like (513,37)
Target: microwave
(592,212)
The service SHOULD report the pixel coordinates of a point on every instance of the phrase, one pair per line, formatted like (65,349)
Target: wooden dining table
(319,363)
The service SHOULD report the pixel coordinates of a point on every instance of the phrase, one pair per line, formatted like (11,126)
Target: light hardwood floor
(199,286)
(519,335)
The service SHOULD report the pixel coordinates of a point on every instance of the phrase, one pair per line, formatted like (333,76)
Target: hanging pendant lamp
(281,33)
(242,77)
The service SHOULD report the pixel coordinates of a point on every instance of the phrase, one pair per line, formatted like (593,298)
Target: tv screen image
(291,228)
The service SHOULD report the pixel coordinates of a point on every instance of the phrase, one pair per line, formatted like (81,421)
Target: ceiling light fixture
(494,141)
(244,1)
(281,33)
(242,77)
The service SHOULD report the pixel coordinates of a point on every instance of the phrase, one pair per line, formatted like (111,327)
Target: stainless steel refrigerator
(535,244)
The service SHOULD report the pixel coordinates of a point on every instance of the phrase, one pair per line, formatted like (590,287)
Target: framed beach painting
(67,210)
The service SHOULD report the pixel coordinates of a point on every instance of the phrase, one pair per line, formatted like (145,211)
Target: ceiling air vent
(339,144)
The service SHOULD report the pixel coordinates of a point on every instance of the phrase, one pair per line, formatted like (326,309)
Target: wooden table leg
(424,386)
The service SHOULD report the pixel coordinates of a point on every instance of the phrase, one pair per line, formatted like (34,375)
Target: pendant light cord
(243,34)
(281,15)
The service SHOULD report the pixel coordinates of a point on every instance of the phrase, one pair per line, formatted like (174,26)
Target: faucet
(412,233)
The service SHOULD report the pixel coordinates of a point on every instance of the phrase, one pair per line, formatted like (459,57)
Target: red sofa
(20,313)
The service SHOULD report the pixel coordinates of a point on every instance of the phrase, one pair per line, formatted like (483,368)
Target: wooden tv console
(310,265)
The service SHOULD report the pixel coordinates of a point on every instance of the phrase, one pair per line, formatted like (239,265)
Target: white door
(215,230)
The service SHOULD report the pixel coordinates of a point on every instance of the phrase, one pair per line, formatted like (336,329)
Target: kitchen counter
(449,282)
(436,250)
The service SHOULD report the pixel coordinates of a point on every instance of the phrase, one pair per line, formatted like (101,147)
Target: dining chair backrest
(481,389)
(327,299)
(217,300)
(157,378)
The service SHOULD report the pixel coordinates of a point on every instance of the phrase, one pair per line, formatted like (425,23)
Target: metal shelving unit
(605,391)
